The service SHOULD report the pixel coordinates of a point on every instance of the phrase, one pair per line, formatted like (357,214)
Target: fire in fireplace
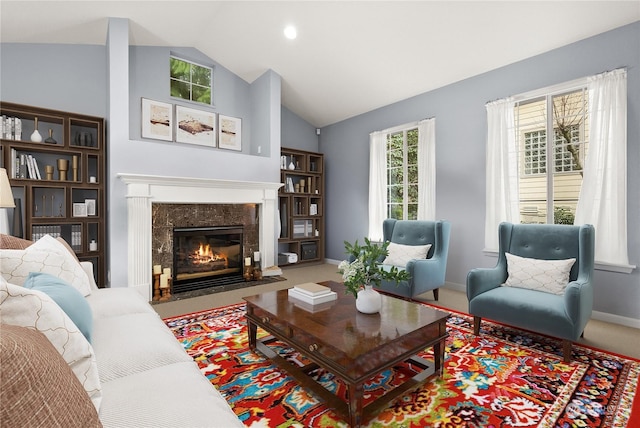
(206,257)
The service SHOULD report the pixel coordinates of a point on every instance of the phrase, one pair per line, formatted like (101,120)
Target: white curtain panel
(602,200)
(502,170)
(427,169)
(377,184)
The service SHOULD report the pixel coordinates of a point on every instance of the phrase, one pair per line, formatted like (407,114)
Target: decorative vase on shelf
(368,301)
(36,137)
(50,140)
(292,166)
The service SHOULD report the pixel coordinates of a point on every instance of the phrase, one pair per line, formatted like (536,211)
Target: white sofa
(146,377)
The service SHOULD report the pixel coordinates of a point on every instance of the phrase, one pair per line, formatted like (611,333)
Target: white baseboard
(616,319)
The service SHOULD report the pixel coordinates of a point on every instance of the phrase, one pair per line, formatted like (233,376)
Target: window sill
(609,267)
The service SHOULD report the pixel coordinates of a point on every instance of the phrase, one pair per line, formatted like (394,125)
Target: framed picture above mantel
(229,132)
(195,126)
(157,120)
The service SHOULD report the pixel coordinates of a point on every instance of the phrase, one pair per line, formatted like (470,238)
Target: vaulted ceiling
(349,57)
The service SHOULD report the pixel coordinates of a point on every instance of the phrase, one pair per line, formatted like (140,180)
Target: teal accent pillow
(68,298)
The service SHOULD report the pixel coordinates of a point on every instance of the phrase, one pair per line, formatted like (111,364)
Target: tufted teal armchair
(562,316)
(426,274)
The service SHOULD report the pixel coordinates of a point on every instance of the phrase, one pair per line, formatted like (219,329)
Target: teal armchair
(563,315)
(426,274)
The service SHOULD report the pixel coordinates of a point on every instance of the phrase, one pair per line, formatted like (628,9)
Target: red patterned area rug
(502,378)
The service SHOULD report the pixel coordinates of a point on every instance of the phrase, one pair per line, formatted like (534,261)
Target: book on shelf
(37,169)
(312,300)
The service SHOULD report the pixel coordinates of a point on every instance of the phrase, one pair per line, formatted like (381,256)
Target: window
(402,175)
(588,181)
(549,193)
(190,81)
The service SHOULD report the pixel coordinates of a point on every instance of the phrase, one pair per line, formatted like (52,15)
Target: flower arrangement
(364,266)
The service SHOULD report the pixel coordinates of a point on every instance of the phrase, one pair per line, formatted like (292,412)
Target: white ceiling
(349,57)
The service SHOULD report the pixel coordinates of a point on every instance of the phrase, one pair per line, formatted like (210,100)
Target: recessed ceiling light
(290,32)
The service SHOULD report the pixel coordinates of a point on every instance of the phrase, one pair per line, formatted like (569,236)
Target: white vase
(36,137)
(368,301)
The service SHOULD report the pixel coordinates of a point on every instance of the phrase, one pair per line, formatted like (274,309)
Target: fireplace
(146,191)
(206,257)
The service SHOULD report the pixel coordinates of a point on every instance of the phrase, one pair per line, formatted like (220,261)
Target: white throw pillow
(549,276)
(400,254)
(47,255)
(34,309)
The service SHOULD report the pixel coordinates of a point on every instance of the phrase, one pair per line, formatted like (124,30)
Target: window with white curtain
(401,174)
(578,178)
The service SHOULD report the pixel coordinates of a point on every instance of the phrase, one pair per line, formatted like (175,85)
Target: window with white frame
(190,81)
(587,183)
(402,174)
(549,193)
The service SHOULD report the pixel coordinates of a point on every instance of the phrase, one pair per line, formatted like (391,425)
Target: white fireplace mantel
(143,190)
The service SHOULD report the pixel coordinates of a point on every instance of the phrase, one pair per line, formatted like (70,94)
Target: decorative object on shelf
(35,136)
(48,170)
(84,139)
(157,120)
(92,179)
(362,270)
(93,245)
(50,139)
(229,132)
(91,206)
(6,201)
(74,167)
(79,210)
(292,165)
(195,126)
(63,167)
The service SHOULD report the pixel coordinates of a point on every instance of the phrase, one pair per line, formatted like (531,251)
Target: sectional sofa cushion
(46,255)
(549,276)
(67,297)
(34,309)
(169,396)
(39,389)
(148,342)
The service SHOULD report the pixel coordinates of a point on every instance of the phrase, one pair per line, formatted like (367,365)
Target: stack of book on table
(312,293)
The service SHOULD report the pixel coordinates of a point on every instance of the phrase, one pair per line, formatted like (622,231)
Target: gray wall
(298,133)
(60,77)
(460,156)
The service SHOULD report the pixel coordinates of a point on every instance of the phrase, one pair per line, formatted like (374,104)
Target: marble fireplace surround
(144,190)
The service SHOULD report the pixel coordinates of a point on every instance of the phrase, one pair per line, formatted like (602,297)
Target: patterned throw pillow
(34,309)
(46,255)
(549,276)
(38,387)
(399,254)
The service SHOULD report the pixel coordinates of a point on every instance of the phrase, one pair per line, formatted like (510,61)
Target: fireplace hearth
(206,257)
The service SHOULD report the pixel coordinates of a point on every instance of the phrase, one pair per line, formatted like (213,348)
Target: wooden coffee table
(351,345)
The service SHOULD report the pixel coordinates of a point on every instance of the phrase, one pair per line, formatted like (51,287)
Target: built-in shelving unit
(301,205)
(58,182)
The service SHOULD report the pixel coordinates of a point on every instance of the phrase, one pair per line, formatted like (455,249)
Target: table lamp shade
(6,197)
